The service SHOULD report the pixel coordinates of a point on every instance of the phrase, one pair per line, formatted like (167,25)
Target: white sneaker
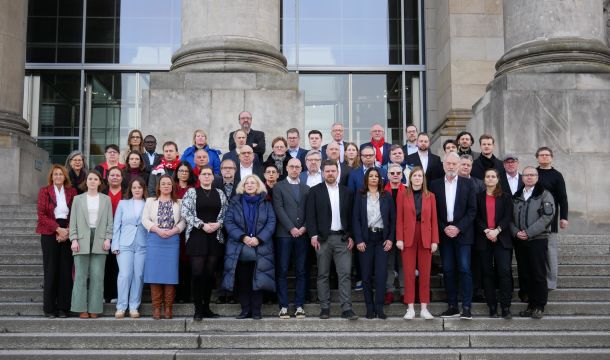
(284,313)
(299,313)
(410,315)
(119,314)
(425,314)
(114,301)
(134,314)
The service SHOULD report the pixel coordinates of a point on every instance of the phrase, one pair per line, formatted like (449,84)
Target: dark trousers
(286,248)
(373,259)
(520,250)
(111,273)
(532,261)
(495,253)
(476,268)
(57,264)
(456,259)
(251,301)
(202,281)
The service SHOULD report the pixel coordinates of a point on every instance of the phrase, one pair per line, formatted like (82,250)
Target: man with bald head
(382,148)
(336,131)
(254,138)
(333,152)
(246,165)
(289,203)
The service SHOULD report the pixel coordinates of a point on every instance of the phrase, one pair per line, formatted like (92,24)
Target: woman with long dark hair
(134,168)
(203,209)
(373,223)
(54,203)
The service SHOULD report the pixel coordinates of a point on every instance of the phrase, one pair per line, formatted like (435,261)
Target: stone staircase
(576,323)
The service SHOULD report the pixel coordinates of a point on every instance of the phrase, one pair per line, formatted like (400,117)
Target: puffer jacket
(235,225)
(534,215)
(213,155)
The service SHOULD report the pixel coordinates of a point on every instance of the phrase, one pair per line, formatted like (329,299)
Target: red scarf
(377,145)
(168,165)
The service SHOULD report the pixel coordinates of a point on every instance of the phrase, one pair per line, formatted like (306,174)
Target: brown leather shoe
(156,294)
(84,315)
(93,316)
(169,292)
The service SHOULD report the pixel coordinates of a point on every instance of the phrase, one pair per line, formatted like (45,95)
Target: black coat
(319,213)
(464,210)
(506,187)
(503,218)
(284,170)
(360,218)
(254,137)
(435,166)
(478,167)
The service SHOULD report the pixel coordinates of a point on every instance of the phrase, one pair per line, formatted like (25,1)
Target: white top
(411,148)
(527,193)
(315,179)
(423,157)
(245,171)
(333,193)
(450,192)
(513,182)
(297,181)
(93,207)
(61,209)
(151,157)
(373,210)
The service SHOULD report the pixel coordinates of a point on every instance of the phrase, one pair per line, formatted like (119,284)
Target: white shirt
(297,181)
(450,193)
(513,182)
(423,157)
(333,194)
(527,193)
(341,150)
(245,171)
(293,152)
(411,148)
(314,179)
(151,157)
(93,208)
(61,209)
(373,210)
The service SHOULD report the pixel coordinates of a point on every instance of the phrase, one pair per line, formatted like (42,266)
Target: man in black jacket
(432,165)
(487,159)
(329,214)
(255,138)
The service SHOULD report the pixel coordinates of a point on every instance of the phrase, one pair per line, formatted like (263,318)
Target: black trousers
(251,301)
(494,253)
(111,272)
(202,280)
(373,263)
(520,250)
(531,263)
(57,265)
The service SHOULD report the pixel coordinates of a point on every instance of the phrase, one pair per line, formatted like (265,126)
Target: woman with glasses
(203,209)
(135,141)
(279,157)
(77,170)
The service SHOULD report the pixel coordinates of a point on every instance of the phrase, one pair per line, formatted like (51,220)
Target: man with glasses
(313,175)
(293,138)
(533,212)
(382,148)
(356,176)
(111,152)
(512,182)
(553,181)
(411,145)
(246,165)
(151,158)
(227,182)
(254,138)
(336,131)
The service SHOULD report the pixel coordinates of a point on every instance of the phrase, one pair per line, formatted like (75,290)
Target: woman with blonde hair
(200,141)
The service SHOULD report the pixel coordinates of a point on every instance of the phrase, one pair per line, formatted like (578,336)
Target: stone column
(18,152)
(230,36)
(554,36)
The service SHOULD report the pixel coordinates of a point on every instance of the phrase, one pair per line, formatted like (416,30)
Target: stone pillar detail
(568,36)
(230,36)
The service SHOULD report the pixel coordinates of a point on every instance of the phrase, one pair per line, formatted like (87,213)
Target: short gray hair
(467,157)
(452,154)
(313,152)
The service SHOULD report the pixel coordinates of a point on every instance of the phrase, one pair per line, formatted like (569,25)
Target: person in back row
(168,165)
(254,138)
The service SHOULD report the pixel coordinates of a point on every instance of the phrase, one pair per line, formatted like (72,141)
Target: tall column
(554,36)
(230,36)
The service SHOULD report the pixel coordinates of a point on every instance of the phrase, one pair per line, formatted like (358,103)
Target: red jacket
(46,207)
(406,219)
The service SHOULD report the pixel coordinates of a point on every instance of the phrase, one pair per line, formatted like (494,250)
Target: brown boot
(156,293)
(170,293)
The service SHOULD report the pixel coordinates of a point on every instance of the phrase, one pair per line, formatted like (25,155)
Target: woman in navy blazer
(494,242)
(129,246)
(374,218)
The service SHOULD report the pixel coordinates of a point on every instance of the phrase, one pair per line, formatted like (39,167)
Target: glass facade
(88,62)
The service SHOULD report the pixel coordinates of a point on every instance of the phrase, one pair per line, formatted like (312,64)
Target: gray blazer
(289,211)
(80,229)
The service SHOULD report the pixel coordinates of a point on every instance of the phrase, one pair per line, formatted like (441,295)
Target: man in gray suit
(289,203)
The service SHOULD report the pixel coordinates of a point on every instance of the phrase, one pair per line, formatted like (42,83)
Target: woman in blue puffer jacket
(249,261)
(200,141)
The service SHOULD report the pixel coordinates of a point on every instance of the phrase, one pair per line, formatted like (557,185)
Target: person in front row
(329,217)
(494,243)
(249,259)
(162,218)
(417,239)
(129,246)
(533,211)
(456,210)
(374,217)
(90,234)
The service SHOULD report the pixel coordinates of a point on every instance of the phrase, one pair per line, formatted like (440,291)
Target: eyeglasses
(77,160)
(227,168)
(530,175)
(110,152)
(183,171)
(367,155)
(207,174)
(314,159)
(394,173)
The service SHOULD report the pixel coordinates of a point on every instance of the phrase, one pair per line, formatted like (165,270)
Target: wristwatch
(499,229)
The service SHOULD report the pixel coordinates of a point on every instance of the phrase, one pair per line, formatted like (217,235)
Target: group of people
(173,221)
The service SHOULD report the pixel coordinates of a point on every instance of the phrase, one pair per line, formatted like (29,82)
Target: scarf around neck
(378,145)
(249,204)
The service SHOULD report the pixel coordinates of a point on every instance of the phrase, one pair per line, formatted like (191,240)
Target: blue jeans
(286,246)
(456,258)
(130,280)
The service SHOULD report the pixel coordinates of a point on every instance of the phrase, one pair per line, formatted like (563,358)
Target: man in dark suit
(294,139)
(247,165)
(432,165)
(151,158)
(312,176)
(332,153)
(512,181)
(336,132)
(289,203)
(382,148)
(255,138)
(487,159)
(456,208)
(226,183)
(356,176)
(329,214)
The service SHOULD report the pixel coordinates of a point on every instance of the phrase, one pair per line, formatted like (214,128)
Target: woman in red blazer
(54,203)
(417,238)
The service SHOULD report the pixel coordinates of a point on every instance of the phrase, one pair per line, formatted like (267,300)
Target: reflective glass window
(132,31)
(326,101)
(59,103)
(58,149)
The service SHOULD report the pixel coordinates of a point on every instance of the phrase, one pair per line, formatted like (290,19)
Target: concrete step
(64,340)
(18,222)
(21,259)
(585,308)
(88,354)
(21,270)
